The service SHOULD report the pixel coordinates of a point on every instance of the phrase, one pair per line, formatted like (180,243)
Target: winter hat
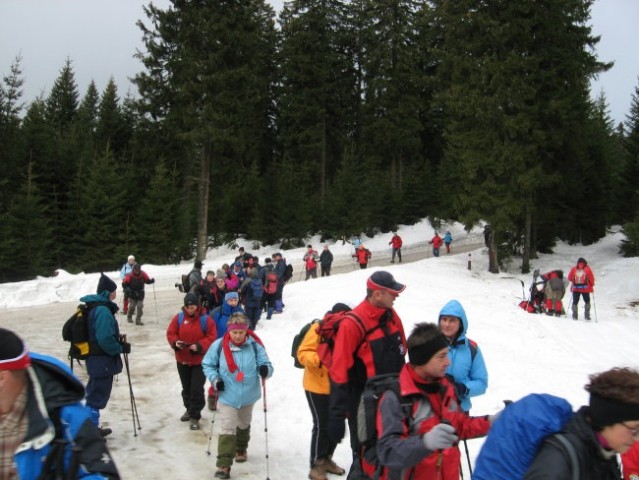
(341,307)
(198,264)
(608,411)
(421,354)
(220,273)
(582,260)
(384,281)
(191,299)
(131,258)
(231,295)
(210,272)
(105,283)
(14,354)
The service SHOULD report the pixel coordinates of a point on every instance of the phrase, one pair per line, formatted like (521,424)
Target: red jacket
(363,255)
(630,463)
(396,241)
(577,285)
(191,332)
(399,449)
(436,241)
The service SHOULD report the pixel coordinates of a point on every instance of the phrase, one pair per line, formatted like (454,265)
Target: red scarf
(226,343)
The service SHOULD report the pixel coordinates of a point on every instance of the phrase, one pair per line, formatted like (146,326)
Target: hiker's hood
(454,308)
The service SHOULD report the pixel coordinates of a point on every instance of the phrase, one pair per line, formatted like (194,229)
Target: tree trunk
(525,257)
(203,202)
(493,261)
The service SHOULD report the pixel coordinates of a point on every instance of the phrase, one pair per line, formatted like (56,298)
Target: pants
(575,297)
(435,251)
(321,445)
(311,272)
(133,306)
(398,252)
(192,379)
(235,424)
(326,270)
(98,394)
(363,265)
(448,248)
(253,314)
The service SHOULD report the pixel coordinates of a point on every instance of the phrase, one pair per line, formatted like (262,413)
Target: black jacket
(595,463)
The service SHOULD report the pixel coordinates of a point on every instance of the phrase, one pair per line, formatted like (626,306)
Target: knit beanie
(105,283)
(608,411)
(191,299)
(14,354)
(231,295)
(421,354)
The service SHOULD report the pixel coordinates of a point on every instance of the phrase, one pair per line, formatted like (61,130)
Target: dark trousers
(253,314)
(575,297)
(192,379)
(321,445)
(99,391)
(326,271)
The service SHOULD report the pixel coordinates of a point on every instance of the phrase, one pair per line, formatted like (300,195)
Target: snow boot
(194,424)
(269,313)
(242,438)
(138,321)
(587,310)
(575,314)
(318,472)
(332,467)
(129,319)
(223,472)
(105,431)
(185,417)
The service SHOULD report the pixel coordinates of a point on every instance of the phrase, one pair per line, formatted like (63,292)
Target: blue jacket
(104,330)
(221,316)
(54,388)
(463,367)
(248,359)
(248,292)
(448,238)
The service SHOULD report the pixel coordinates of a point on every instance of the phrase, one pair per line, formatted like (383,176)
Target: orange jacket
(316,378)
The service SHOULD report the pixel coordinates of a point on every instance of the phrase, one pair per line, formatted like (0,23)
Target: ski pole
(156,304)
(523,291)
(265,425)
(594,306)
(208,450)
(134,407)
(470,467)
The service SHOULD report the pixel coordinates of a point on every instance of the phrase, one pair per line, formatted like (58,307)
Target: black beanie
(608,411)
(14,354)
(105,283)
(340,307)
(191,299)
(421,354)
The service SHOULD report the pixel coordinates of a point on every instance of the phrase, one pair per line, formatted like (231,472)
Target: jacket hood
(582,260)
(454,308)
(59,385)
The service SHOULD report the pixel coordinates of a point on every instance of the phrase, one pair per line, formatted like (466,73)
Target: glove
(263,371)
(440,437)
(219,385)
(536,272)
(461,390)
(126,347)
(152,280)
(335,429)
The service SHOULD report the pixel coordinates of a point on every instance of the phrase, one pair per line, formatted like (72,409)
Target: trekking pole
(470,467)
(134,407)
(523,291)
(594,306)
(208,450)
(156,304)
(569,305)
(265,425)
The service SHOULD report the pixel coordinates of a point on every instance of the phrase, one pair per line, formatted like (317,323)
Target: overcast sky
(100,38)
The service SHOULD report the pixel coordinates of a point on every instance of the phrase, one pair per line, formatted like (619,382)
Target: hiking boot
(317,472)
(139,321)
(241,456)
(129,319)
(194,424)
(105,431)
(331,467)
(223,472)
(185,417)
(211,402)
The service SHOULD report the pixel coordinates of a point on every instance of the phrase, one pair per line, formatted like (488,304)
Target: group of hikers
(419,422)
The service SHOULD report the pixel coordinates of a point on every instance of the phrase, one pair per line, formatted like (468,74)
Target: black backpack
(186,285)
(76,331)
(288,273)
(297,340)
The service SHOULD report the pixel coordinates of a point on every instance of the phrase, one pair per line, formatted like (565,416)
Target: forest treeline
(334,118)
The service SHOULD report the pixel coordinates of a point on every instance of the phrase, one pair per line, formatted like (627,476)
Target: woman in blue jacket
(467,367)
(235,365)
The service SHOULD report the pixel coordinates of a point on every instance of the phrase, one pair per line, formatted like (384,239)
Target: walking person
(467,370)
(448,240)
(554,292)
(326,261)
(436,242)
(133,286)
(190,334)
(583,283)
(270,282)
(124,271)
(105,347)
(221,315)
(317,388)
(195,276)
(370,341)
(363,255)
(252,292)
(235,365)
(396,244)
(43,421)
(310,260)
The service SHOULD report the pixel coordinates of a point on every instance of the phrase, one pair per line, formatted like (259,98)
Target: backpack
(297,340)
(328,329)
(76,331)
(516,436)
(580,278)
(180,320)
(186,284)
(271,282)
(288,273)
(256,288)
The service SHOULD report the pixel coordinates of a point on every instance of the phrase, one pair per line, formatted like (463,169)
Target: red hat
(384,281)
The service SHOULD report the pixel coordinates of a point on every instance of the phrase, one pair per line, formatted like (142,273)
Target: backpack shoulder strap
(180,319)
(559,440)
(203,323)
(472,344)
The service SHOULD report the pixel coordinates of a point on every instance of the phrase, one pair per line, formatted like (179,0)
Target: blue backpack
(202,321)
(515,437)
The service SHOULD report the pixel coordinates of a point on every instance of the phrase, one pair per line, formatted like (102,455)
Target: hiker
(222,314)
(436,242)
(238,271)
(232,282)
(326,261)
(310,260)
(427,449)
(583,282)
(317,389)
(608,425)
(206,289)
(190,336)
(269,280)
(104,361)
(195,277)
(385,354)
(124,271)
(280,268)
(41,408)
(133,286)
(252,291)
(467,371)
(242,257)
(448,240)
(554,291)
(363,255)
(235,364)
(396,244)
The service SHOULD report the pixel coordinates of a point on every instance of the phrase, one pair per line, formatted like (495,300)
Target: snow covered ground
(524,353)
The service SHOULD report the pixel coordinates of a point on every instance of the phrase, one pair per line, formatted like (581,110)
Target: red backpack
(270,286)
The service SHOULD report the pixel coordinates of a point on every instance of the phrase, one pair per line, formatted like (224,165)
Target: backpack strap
(564,444)
(180,320)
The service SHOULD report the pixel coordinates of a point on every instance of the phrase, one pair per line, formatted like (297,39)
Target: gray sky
(100,38)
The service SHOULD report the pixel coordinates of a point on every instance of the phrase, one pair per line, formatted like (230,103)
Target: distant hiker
(124,271)
(596,433)
(242,257)
(436,242)
(583,282)
(317,388)
(378,325)
(428,447)
(448,240)
(43,421)
(104,360)
(326,261)
(280,269)
(252,292)
(238,271)
(190,334)
(363,255)
(269,279)
(231,279)
(396,244)
(195,277)
(356,242)
(554,291)
(133,286)
(222,314)
(206,291)
(467,370)
(235,365)
(487,236)
(310,260)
